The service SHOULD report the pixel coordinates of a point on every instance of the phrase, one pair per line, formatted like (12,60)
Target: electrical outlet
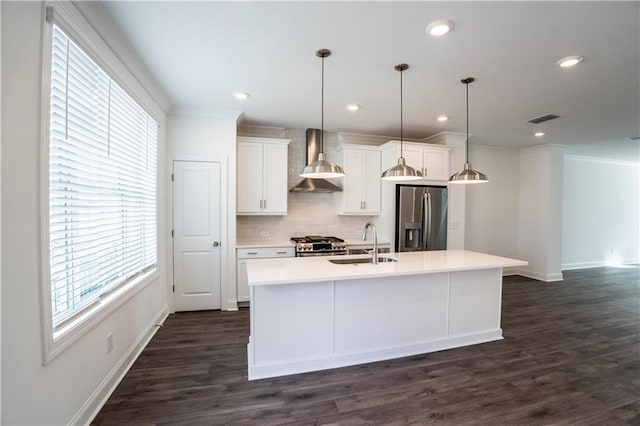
(109,342)
(264,233)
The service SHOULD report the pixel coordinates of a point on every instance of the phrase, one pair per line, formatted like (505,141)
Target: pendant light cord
(322,111)
(466,160)
(466,82)
(401,133)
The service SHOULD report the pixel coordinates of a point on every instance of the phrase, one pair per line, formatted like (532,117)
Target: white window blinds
(102,183)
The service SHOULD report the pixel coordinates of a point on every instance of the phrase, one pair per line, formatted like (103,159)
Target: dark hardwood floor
(570,356)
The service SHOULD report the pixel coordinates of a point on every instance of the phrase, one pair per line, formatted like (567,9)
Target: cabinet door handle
(281,252)
(252,252)
(364,203)
(260,204)
(265,204)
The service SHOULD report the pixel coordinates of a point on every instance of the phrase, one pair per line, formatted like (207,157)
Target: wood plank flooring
(570,356)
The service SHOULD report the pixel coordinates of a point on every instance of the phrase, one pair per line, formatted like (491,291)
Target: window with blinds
(102,183)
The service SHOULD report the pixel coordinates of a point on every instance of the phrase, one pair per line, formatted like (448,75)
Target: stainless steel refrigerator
(421,218)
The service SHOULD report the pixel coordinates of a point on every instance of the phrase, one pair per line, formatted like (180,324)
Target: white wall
(540,212)
(492,208)
(601,212)
(209,137)
(73,385)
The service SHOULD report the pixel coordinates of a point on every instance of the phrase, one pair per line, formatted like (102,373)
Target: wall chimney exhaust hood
(314,185)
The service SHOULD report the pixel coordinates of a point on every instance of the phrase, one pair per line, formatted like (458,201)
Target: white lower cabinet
(245,253)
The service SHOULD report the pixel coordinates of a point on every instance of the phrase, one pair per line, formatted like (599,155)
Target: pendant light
(322,169)
(401,171)
(468,175)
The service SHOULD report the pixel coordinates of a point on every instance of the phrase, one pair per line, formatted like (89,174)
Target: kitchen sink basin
(360,260)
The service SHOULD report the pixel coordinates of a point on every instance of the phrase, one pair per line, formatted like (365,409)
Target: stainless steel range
(315,245)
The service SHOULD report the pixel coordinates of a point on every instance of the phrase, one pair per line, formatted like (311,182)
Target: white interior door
(196,238)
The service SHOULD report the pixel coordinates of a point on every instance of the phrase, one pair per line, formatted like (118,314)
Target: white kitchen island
(309,314)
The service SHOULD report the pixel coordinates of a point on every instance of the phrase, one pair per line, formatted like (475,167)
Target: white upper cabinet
(262,176)
(432,160)
(361,183)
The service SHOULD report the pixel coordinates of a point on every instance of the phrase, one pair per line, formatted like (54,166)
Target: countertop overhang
(316,269)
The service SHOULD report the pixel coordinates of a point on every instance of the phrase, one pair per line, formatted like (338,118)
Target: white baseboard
(541,277)
(595,264)
(93,405)
(582,265)
(232,305)
(509,271)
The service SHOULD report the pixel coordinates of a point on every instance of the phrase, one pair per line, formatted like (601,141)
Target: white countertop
(264,242)
(314,269)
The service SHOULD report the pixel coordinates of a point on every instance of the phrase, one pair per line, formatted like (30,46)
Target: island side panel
(475,302)
(375,314)
(291,322)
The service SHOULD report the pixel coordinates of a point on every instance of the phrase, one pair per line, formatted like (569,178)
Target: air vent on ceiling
(543,118)
(634,138)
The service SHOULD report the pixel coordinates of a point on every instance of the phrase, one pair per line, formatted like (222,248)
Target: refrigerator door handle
(426,220)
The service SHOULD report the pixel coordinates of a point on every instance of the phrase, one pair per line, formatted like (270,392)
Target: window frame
(70,20)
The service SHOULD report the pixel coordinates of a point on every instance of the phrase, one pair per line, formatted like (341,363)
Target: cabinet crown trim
(363,147)
(251,139)
(394,143)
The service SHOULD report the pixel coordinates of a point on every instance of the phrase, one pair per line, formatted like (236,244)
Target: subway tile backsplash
(308,213)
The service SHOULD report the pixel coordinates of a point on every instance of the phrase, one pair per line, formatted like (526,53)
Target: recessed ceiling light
(353,107)
(439,28)
(442,118)
(570,61)
(241,96)
(538,134)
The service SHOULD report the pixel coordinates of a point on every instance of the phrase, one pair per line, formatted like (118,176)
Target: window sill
(65,337)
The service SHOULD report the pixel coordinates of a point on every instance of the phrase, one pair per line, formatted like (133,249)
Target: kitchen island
(309,314)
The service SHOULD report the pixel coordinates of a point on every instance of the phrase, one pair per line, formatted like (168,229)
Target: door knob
(216,243)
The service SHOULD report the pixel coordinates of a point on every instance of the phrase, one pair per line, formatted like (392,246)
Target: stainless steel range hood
(314,185)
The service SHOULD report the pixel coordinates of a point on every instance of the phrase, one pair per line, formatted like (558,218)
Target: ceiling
(203,52)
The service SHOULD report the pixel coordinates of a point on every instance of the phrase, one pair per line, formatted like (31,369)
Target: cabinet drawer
(262,252)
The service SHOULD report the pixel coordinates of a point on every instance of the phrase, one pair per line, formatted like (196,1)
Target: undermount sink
(360,260)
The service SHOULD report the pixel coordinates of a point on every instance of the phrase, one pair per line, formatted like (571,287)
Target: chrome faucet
(375,240)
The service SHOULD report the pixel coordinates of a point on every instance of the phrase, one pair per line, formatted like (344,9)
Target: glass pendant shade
(322,169)
(468,175)
(401,172)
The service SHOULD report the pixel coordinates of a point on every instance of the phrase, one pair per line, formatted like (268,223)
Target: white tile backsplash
(309,214)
